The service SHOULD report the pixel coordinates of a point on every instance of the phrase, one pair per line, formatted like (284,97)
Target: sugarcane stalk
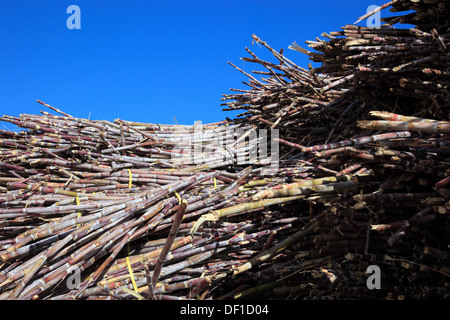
(169,242)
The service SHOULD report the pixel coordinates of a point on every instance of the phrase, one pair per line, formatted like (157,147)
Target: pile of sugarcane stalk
(377,108)
(125,210)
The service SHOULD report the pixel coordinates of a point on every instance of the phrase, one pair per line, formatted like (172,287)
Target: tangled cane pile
(126,210)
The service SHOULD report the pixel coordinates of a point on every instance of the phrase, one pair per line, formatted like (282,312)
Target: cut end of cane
(363,124)
(202,219)
(379,114)
(259,196)
(378,227)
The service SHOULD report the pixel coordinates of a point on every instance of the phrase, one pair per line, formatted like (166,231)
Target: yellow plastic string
(130,271)
(77,199)
(179,200)
(178,196)
(215,183)
(131,178)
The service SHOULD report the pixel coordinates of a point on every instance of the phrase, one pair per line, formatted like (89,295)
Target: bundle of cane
(398,165)
(129,210)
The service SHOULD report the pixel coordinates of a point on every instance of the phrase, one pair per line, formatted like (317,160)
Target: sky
(149,61)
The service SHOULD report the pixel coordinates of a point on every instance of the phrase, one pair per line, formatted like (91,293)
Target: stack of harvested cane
(125,210)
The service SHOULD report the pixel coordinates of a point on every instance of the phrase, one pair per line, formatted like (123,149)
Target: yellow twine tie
(178,196)
(130,271)
(215,183)
(130,179)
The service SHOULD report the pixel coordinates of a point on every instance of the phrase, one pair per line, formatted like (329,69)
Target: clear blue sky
(148,61)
